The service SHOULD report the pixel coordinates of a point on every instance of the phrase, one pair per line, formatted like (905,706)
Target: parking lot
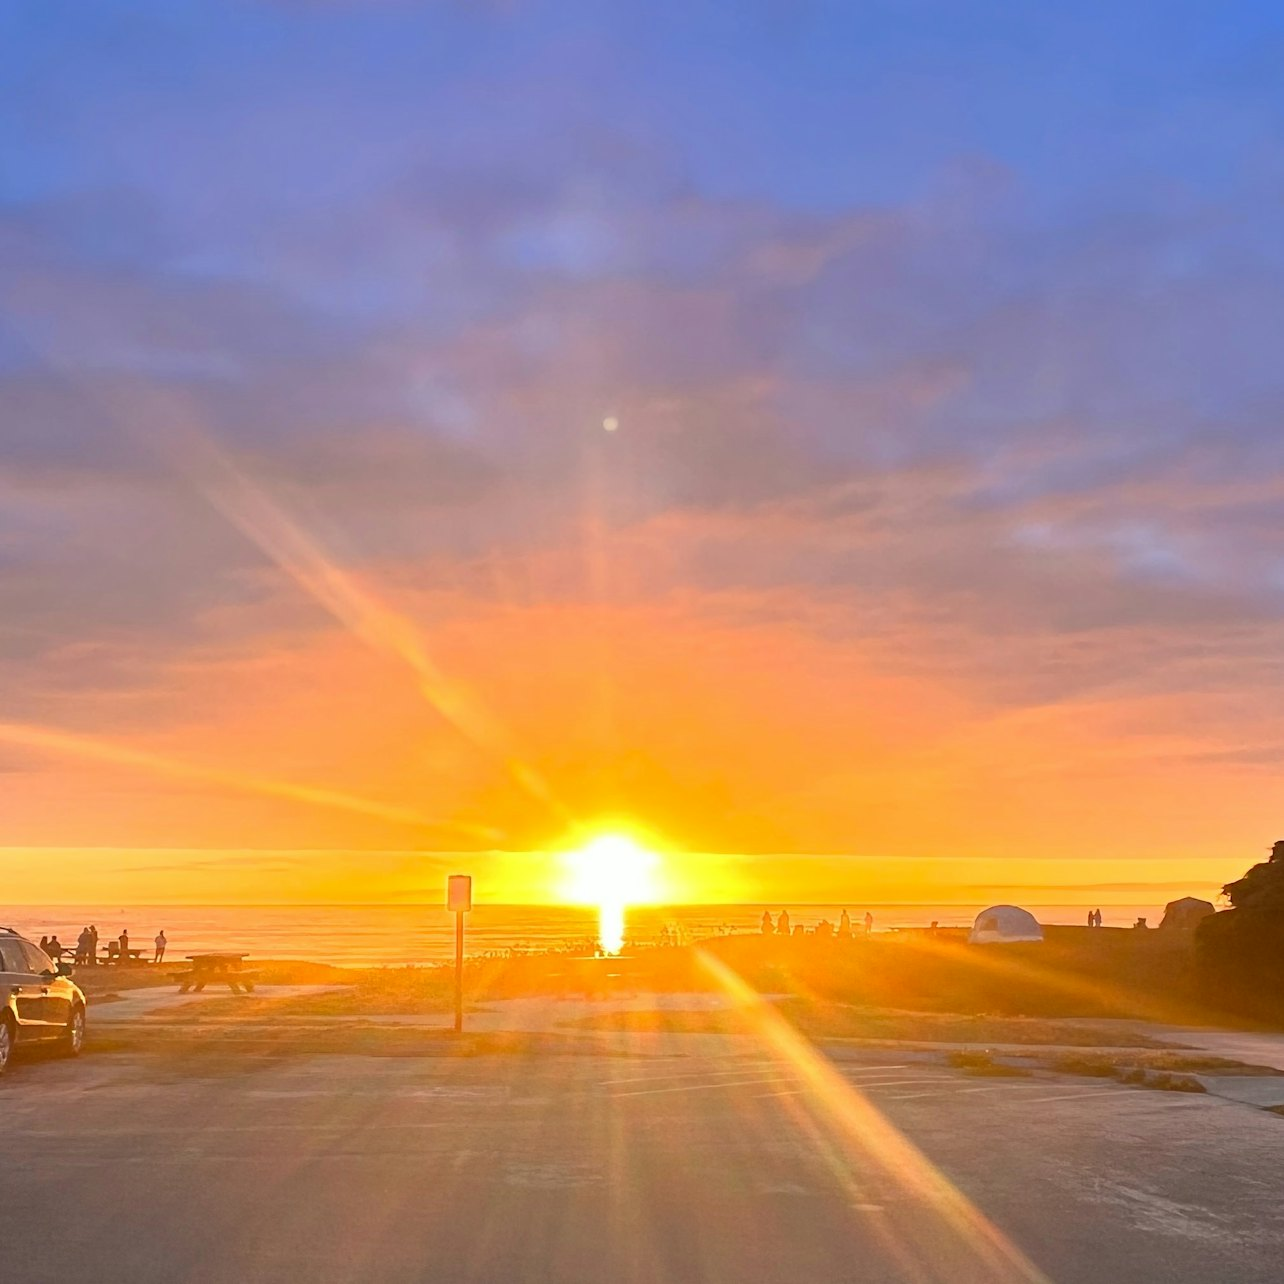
(734,1167)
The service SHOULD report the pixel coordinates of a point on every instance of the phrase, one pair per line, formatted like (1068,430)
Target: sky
(838,442)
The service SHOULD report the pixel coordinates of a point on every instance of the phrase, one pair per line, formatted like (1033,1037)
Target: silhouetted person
(844,924)
(122,945)
(869,922)
(161,942)
(44,944)
(1092,918)
(767,925)
(782,923)
(1140,923)
(799,930)
(824,929)
(93,944)
(54,948)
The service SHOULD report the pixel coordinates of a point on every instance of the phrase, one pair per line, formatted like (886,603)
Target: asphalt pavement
(760,1165)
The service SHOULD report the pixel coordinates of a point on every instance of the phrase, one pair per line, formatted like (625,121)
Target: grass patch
(369,992)
(180,1052)
(1134,1067)
(820,1020)
(1172,1071)
(1097,1067)
(1174,1083)
(984,1064)
(1206,1063)
(101,981)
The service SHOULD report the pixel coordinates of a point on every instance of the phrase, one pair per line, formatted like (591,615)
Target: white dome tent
(1186,914)
(1004,925)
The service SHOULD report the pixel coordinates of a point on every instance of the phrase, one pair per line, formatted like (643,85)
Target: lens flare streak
(851,1134)
(253,512)
(50,740)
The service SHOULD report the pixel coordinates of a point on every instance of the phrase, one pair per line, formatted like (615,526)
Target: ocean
(389,935)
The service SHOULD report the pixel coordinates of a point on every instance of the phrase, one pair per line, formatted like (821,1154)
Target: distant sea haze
(400,934)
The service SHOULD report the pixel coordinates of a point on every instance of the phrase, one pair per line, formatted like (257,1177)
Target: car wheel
(6,1042)
(73,1040)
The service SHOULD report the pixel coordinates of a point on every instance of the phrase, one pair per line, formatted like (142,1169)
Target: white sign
(459,893)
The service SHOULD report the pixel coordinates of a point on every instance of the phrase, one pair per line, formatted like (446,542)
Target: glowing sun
(611,871)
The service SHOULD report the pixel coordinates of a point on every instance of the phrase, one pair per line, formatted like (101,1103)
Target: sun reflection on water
(610,927)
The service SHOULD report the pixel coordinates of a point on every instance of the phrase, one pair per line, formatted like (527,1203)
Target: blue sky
(948,333)
(813,105)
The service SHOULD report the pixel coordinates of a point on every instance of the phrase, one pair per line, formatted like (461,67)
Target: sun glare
(612,872)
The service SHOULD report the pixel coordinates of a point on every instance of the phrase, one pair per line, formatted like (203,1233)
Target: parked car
(39,1002)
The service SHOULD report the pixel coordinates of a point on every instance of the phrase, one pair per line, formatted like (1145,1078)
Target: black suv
(39,1002)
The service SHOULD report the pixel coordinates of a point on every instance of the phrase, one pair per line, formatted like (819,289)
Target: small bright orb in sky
(610,423)
(612,872)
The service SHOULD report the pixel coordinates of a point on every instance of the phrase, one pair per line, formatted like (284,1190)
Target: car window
(11,957)
(37,960)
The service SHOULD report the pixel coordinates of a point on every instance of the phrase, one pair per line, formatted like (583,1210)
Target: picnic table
(207,969)
(112,954)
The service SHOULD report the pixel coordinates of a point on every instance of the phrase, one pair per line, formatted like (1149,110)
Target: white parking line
(747,1068)
(1136,1099)
(750,1068)
(860,1084)
(699,1087)
(875,1070)
(1066,1096)
(905,1083)
(943,1092)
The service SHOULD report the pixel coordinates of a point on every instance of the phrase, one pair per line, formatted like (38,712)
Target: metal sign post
(459,898)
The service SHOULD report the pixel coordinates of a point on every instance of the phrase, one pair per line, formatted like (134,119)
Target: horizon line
(543,905)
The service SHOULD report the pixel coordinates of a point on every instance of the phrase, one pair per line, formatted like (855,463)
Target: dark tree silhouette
(1262,888)
(1241,950)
